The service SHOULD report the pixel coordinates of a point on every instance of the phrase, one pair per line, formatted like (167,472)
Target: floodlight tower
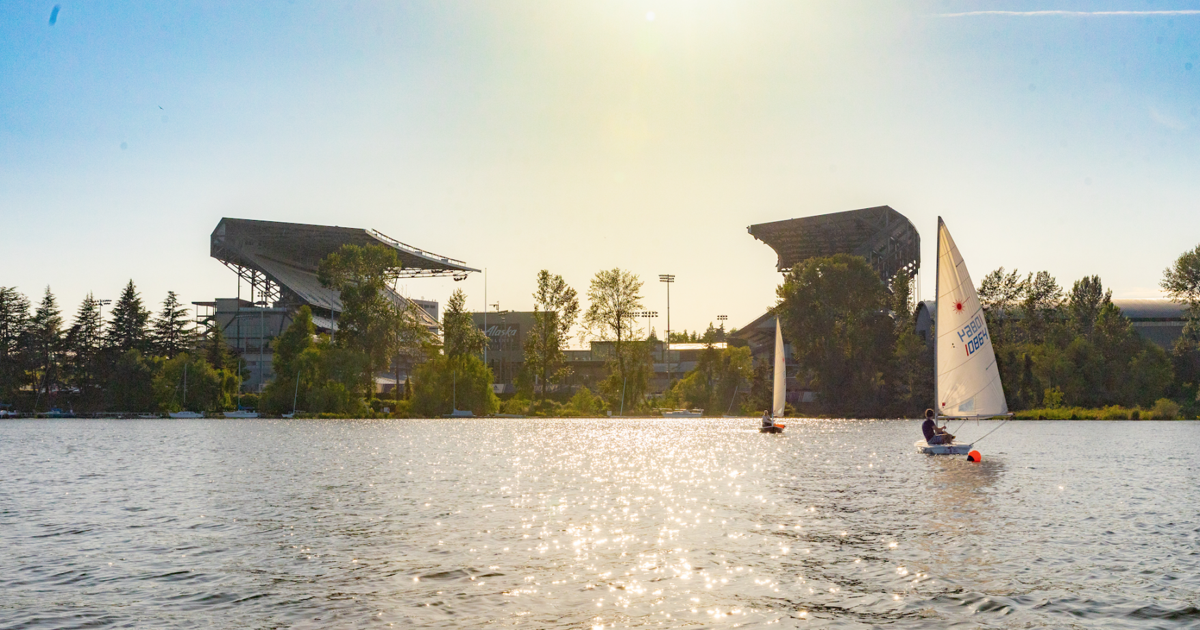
(648,315)
(669,279)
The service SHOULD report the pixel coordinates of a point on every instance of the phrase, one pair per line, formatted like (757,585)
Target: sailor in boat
(768,421)
(933,433)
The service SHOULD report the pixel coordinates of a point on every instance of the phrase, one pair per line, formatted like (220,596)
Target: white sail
(780,374)
(968,380)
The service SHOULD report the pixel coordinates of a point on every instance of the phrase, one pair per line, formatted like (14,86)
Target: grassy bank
(1163,409)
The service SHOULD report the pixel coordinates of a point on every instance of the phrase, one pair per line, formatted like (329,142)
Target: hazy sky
(577,136)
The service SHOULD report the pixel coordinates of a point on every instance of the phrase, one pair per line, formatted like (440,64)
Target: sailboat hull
(942,449)
(776,429)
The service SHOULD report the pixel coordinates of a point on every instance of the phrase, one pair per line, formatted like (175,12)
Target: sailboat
(967,379)
(185,414)
(778,398)
(455,411)
(240,413)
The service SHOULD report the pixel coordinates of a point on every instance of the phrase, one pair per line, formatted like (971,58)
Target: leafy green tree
(460,335)
(448,382)
(717,375)
(833,309)
(615,297)
(290,361)
(189,382)
(14,317)
(131,383)
(1084,303)
(1001,295)
(85,368)
(130,327)
(1041,306)
(1181,281)
(329,377)
(298,337)
(45,340)
(172,330)
(372,313)
(911,376)
(555,309)
(625,388)
(585,404)
(1150,373)
(762,389)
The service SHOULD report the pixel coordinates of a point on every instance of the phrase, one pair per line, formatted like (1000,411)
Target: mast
(937,297)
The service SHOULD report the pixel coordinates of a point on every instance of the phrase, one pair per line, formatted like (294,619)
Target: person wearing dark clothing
(933,433)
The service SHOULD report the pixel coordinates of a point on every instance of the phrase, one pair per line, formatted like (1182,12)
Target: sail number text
(973,335)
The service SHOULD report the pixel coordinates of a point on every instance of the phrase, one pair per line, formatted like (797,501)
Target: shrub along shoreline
(1163,409)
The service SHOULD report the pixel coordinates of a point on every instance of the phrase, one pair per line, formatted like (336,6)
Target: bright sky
(579,136)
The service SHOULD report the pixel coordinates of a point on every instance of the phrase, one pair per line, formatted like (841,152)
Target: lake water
(595,523)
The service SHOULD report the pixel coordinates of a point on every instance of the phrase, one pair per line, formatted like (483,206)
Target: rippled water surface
(595,523)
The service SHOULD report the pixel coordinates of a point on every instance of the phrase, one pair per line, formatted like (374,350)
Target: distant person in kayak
(768,421)
(933,433)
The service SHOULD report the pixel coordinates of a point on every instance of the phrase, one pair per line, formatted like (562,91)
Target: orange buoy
(974,456)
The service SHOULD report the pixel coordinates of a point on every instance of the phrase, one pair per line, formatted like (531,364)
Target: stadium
(276,268)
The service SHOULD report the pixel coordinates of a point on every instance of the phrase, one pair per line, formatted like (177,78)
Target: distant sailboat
(240,413)
(967,378)
(185,414)
(779,394)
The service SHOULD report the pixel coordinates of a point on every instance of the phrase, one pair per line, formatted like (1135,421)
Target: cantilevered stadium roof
(886,238)
(280,260)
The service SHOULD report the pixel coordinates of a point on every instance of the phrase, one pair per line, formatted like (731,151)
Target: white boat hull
(942,449)
(684,413)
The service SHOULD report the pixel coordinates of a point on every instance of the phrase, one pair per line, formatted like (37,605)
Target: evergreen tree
(14,317)
(84,343)
(216,351)
(129,329)
(173,332)
(45,344)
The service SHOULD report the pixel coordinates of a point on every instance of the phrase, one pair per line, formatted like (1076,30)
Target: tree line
(855,341)
(134,362)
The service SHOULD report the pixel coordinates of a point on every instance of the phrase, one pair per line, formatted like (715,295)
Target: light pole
(722,319)
(262,309)
(668,278)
